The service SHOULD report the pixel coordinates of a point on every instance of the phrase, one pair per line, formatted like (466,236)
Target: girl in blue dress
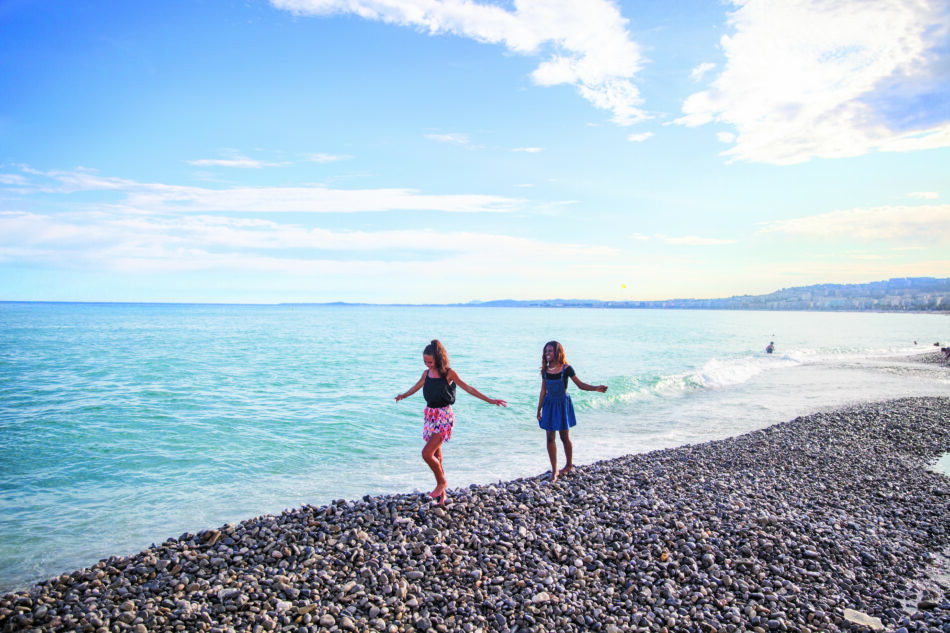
(438,383)
(555,409)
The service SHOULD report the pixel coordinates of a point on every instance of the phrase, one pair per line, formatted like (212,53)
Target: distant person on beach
(770,347)
(555,409)
(438,383)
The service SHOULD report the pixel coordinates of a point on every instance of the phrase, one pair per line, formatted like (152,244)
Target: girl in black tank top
(438,384)
(438,392)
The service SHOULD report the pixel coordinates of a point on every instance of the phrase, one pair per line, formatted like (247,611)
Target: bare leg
(552,453)
(432,455)
(568,451)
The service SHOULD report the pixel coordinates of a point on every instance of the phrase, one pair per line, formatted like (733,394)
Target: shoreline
(783,528)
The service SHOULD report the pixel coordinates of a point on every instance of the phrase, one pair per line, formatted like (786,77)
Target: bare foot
(439,491)
(553,476)
(566,470)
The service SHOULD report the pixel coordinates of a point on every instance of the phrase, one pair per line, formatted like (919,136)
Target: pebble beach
(829,522)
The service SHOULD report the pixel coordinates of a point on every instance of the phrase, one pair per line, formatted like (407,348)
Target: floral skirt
(438,422)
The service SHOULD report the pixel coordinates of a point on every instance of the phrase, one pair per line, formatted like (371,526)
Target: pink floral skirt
(438,422)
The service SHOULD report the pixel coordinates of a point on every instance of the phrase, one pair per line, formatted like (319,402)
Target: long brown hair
(436,350)
(559,358)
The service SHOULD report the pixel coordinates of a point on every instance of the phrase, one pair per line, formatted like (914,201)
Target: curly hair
(559,358)
(436,350)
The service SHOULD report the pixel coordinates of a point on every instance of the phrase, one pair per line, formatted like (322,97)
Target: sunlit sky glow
(419,151)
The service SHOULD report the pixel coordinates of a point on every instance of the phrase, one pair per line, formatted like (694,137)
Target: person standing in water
(555,409)
(438,383)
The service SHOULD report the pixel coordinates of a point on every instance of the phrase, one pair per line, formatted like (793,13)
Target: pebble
(829,522)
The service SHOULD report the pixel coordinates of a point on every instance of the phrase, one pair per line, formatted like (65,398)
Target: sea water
(122,425)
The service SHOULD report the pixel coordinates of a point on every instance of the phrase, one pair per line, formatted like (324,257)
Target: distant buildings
(901,294)
(910,294)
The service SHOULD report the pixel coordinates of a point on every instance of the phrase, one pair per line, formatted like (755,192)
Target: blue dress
(557,410)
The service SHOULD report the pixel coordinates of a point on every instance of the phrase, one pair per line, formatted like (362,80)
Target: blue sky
(447,151)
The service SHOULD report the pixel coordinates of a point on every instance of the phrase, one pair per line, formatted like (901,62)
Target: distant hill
(912,294)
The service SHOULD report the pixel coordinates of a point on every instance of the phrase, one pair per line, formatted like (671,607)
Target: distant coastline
(900,294)
(905,294)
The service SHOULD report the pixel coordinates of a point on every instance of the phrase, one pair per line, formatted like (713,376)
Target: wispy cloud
(453,138)
(830,78)
(639,138)
(156,197)
(585,42)
(12,179)
(695,240)
(199,242)
(700,71)
(236,160)
(158,229)
(924,195)
(528,150)
(326,158)
(685,240)
(214,231)
(924,224)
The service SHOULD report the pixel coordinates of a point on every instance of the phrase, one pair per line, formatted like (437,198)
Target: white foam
(943,464)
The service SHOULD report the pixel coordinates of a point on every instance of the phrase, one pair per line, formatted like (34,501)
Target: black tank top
(438,392)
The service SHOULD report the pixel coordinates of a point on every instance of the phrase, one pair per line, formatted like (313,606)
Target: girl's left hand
(500,403)
(602,388)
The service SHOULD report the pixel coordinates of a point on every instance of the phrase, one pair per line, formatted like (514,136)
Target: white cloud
(697,73)
(830,78)
(310,200)
(586,41)
(695,240)
(151,197)
(726,137)
(529,150)
(12,179)
(235,160)
(639,138)
(685,240)
(454,138)
(924,195)
(924,224)
(164,243)
(80,179)
(326,158)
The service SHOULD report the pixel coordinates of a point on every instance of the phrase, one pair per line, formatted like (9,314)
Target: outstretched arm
(416,387)
(583,386)
(454,377)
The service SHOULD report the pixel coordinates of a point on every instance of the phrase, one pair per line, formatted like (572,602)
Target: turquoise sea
(122,425)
